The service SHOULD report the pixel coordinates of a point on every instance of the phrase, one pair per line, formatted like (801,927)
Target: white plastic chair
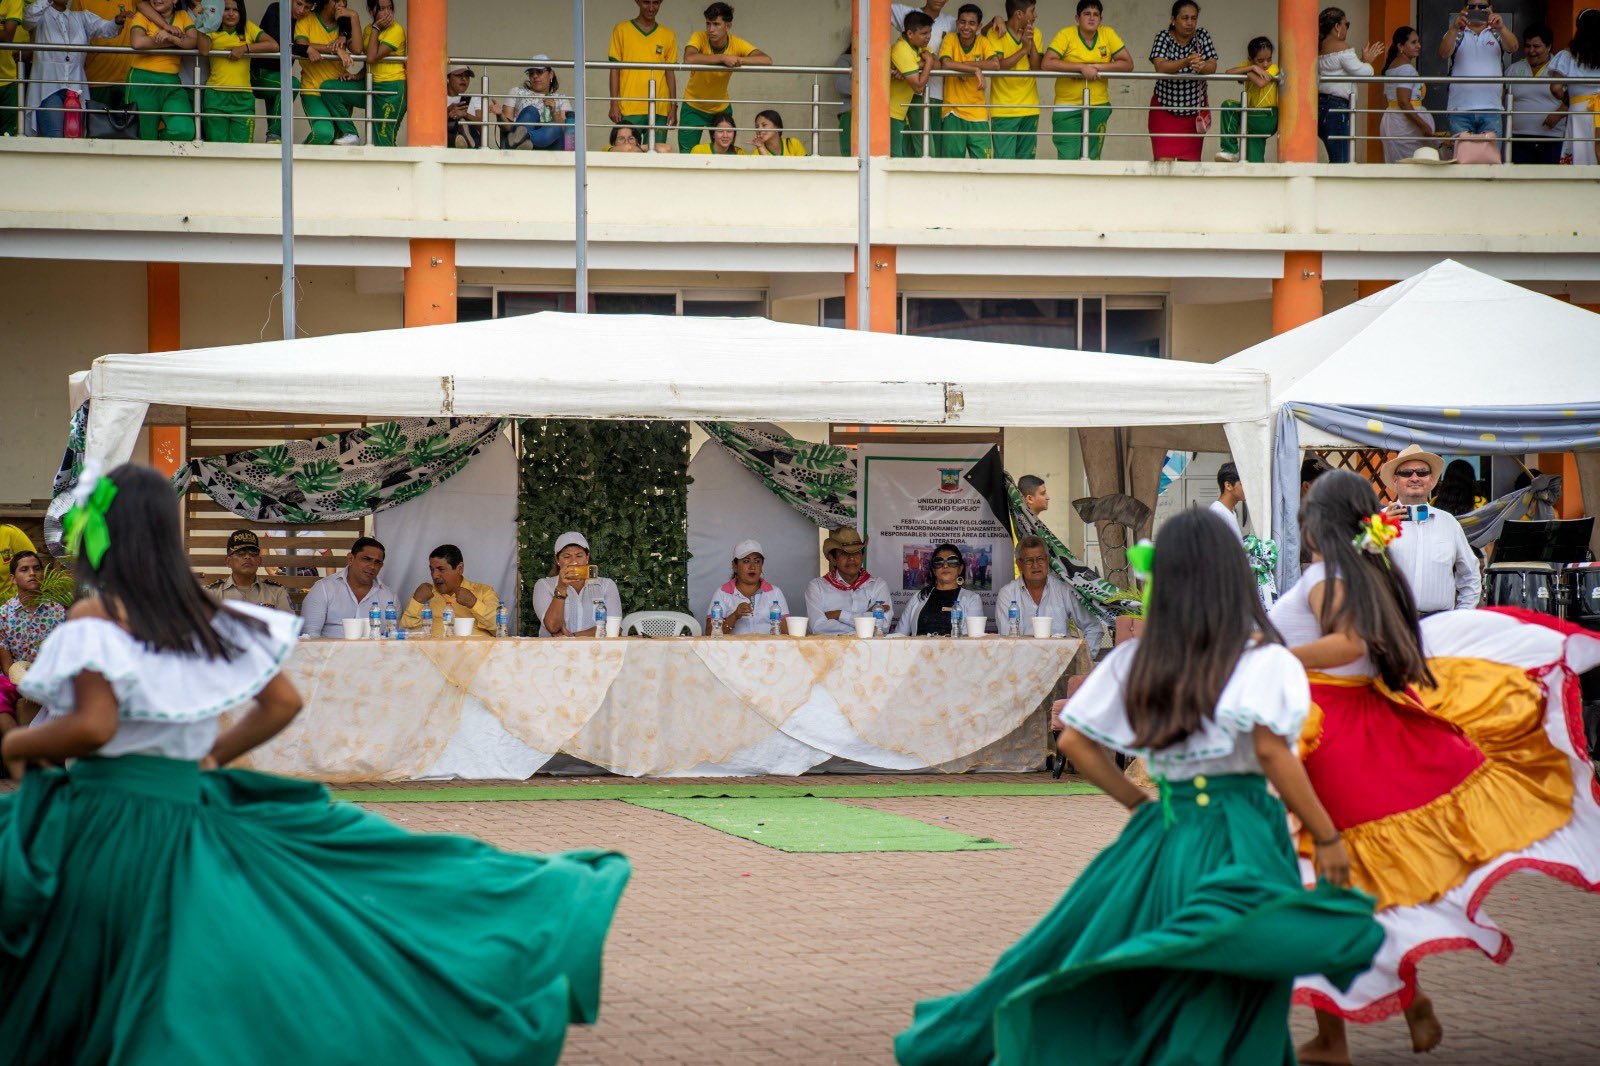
(660,624)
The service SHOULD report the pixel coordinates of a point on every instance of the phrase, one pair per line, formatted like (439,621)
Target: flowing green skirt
(1178,944)
(154,914)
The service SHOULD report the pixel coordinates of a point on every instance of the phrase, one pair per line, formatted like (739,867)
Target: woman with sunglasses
(928,613)
(1442,774)
(1181,940)
(1335,98)
(535,115)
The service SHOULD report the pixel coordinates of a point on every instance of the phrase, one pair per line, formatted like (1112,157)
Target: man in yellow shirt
(1014,102)
(1260,105)
(965,123)
(12,541)
(717,49)
(909,63)
(447,586)
(644,40)
(1086,49)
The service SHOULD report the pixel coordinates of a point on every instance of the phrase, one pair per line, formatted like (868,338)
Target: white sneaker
(1226,157)
(349,138)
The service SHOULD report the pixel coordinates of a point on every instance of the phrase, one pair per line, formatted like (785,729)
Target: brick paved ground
(727,952)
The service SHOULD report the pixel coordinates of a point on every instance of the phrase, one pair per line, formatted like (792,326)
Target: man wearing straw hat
(846,592)
(1431,551)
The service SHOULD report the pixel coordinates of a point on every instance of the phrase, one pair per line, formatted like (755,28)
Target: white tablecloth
(490,709)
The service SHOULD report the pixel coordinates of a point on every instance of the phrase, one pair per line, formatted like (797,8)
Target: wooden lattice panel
(292,555)
(1363,461)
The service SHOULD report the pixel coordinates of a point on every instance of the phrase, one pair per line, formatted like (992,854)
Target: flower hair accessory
(1376,532)
(85,525)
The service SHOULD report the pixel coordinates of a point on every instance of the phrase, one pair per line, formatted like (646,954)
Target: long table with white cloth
(385,710)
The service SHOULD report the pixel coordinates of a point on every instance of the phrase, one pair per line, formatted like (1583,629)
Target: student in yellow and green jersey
(769,138)
(1085,48)
(154,83)
(10,99)
(723,134)
(326,96)
(644,40)
(1014,102)
(909,63)
(719,51)
(964,132)
(383,38)
(1260,106)
(229,114)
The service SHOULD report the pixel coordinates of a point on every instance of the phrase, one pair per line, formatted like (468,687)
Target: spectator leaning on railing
(55,74)
(909,63)
(1476,46)
(1260,105)
(155,83)
(1085,48)
(107,72)
(1014,102)
(715,48)
(230,108)
(964,125)
(842,83)
(923,115)
(1538,125)
(384,37)
(10,99)
(1179,111)
(1335,97)
(1578,68)
(325,94)
(264,72)
(1406,124)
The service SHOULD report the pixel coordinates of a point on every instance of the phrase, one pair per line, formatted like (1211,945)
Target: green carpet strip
(639,793)
(810,825)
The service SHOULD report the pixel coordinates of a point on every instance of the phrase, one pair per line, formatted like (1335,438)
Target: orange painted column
(1370,288)
(885,286)
(163,333)
(1562,15)
(1570,503)
(1297,296)
(430,286)
(1383,18)
(1297,102)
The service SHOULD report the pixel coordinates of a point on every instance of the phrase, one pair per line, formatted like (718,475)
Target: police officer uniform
(264,592)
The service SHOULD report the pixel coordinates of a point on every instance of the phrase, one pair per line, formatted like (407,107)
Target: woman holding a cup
(748,597)
(928,613)
(1045,603)
(564,601)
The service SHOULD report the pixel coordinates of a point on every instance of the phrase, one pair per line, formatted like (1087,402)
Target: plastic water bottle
(958,621)
(880,621)
(400,633)
(391,619)
(447,615)
(1014,620)
(72,115)
(716,618)
(774,619)
(427,620)
(599,617)
(501,624)
(374,622)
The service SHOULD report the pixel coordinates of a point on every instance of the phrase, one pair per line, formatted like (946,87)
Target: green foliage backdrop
(625,486)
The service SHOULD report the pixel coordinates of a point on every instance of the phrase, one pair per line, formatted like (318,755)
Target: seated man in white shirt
(1431,550)
(846,592)
(1230,494)
(349,593)
(1040,594)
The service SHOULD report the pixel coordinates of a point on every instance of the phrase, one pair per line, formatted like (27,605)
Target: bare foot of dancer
(1426,1032)
(1328,1047)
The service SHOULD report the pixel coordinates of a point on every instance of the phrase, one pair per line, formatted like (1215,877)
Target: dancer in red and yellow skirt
(1443,773)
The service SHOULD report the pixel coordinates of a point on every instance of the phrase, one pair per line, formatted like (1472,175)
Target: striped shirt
(1437,562)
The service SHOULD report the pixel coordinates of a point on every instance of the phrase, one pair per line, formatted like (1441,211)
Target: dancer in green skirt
(1180,941)
(157,910)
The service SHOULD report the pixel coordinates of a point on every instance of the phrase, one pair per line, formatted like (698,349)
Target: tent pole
(285,32)
(580,163)
(861,102)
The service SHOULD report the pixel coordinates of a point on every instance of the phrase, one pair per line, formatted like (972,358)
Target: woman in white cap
(535,115)
(747,599)
(564,602)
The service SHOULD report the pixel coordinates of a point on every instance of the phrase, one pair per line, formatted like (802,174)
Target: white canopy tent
(556,365)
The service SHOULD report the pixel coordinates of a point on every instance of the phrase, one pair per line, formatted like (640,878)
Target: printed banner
(916,497)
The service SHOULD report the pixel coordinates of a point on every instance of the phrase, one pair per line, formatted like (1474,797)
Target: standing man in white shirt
(1230,494)
(1431,550)
(1538,115)
(350,593)
(1476,46)
(847,591)
(926,109)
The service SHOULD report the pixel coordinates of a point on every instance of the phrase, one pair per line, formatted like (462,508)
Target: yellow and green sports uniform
(706,95)
(904,59)
(1067,119)
(388,86)
(10,98)
(630,44)
(230,106)
(1261,119)
(1014,102)
(965,123)
(156,88)
(325,96)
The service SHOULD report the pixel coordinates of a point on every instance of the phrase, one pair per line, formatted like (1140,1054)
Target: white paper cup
(464,626)
(977,625)
(354,628)
(797,624)
(613,627)
(1041,626)
(866,627)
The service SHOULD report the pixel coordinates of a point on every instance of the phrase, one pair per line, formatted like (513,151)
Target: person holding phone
(564,601)
(1476,46)
(1432,552)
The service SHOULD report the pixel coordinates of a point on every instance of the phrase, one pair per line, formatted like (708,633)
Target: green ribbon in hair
(85,525)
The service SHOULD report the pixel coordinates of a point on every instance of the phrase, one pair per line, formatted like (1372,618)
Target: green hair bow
(85,525)
(1142,560)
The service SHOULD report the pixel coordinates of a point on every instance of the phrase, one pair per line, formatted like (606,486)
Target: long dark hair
(1377,604)
(1327,19)
(1203,609)
(1457,488)
(1585,44)
(144,580)
(961,578)
(1397,42)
